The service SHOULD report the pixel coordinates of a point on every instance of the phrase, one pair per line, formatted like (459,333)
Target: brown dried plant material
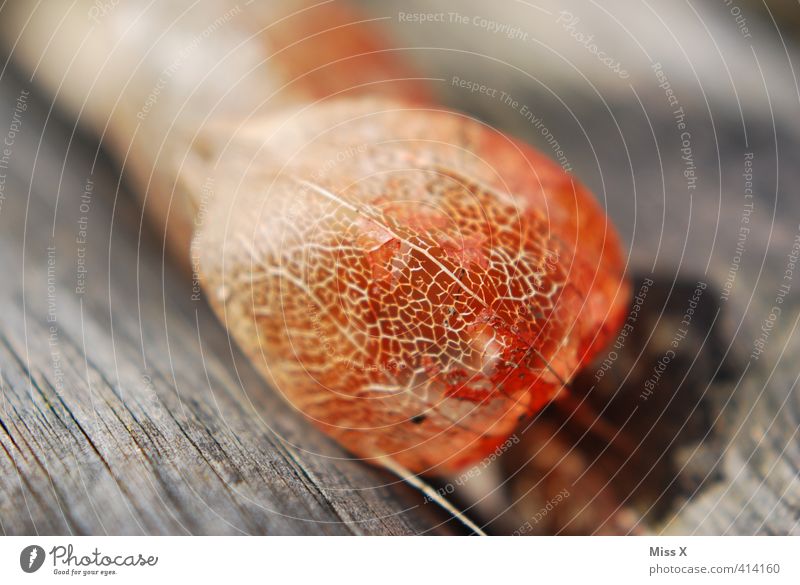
(556,488)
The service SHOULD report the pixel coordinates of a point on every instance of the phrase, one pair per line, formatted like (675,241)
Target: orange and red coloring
(413,281)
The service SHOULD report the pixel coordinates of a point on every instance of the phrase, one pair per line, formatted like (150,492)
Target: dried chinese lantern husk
(411,280)
(434,285)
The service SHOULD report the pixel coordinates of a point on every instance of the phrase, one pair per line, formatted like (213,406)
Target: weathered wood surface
(123,409)
(159,425)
